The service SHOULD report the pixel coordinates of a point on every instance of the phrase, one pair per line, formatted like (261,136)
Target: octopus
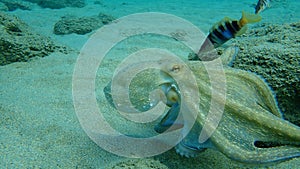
(251,128)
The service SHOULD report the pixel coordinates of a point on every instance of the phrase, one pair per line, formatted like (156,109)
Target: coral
(273,52)
(82,25)
(19,43)
(57,4)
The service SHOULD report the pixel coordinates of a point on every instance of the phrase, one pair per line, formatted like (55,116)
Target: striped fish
(225,30)
(261,5)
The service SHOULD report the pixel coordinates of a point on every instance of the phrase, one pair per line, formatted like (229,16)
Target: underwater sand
(39,127)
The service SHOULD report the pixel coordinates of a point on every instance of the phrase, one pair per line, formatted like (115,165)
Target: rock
(12,5)
(273,52)
(82,25)
(57,4)
(140,163)
(19,43)
(3,7)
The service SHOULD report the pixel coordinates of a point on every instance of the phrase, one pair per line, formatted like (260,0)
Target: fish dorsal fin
(217,24)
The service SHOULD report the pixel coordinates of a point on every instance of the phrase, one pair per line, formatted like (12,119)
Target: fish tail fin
(249,18)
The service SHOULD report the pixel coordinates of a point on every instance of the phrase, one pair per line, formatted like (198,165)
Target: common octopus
(251,130)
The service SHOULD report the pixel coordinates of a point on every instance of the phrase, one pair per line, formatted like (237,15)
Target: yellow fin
(249,18)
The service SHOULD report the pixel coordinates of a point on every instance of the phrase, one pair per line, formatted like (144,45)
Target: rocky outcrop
(57,4)
(19,43)
(82,25)
(11,5)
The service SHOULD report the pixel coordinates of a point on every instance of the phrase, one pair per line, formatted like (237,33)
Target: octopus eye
(175,68)
(172,96)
